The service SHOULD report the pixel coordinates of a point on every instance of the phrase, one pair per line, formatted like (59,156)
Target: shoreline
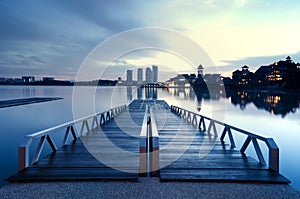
(146,187)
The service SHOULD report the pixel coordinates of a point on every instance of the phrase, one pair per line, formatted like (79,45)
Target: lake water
(273,115)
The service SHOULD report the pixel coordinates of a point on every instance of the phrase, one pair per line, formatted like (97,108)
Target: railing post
(51,143)
(223,134)
(231,137)
(107,116)
(112,114)
(228,130)
(39,149)
(273,155)
(23,160)
(189,116)
(95,121)
(258,151)
(194,121)
(23,154)
(201,122)
(84,124)
(212,125)
(73,133)
(246,144)
(66,136)
(102,119)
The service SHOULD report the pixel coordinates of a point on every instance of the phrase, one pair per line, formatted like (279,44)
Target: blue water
(16,122)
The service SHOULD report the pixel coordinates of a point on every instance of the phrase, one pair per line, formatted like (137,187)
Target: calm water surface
(273,115)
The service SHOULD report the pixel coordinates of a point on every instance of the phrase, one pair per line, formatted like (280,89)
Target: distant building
(243,77)
(279,74)
(2,79)
(17,80)
(188,80)
(10,80)
(140,76)
(48,79)
(28,79)
(181,80)
(155,73)
(148,75)
(129,77)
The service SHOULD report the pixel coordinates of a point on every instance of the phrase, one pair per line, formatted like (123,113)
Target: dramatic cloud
(52,37)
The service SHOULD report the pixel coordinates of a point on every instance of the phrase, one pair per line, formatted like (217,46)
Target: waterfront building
(154,73)
(140,76)
(149,77)
(243,77)
(17,80)
(28,79)
(279,74)
(129,77)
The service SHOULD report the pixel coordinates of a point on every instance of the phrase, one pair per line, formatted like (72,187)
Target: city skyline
(232,33)
(152,77)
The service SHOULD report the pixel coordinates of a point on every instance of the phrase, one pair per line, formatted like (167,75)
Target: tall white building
(148,75)
(140,76)
(154,73)
(129,77)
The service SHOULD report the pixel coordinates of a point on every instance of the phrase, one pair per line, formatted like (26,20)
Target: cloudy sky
(53,37)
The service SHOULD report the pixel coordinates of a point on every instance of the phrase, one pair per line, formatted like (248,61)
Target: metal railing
(44,135)
(199,121)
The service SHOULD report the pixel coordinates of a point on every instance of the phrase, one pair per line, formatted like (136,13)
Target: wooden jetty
(148,137)
(24,101)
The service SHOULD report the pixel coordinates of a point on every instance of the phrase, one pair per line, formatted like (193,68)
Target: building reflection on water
(150,93)
(29,91)
(277,103)
(129,93)
(188,93)
(141,93)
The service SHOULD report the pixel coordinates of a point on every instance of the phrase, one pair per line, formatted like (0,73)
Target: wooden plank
(214,175)
(50,174)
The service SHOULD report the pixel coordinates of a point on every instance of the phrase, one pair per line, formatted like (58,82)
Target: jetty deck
(24,101)
(109,148)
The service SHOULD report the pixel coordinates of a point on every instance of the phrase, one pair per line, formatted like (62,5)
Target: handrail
(199,120)
(44,135)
